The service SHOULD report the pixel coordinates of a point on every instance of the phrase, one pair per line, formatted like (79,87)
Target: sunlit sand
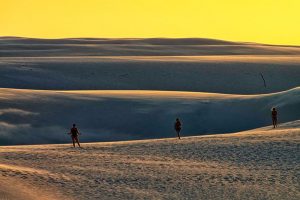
(254,164)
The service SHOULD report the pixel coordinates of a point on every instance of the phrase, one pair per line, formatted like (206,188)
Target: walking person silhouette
(177,127)
(74,135)
(274,117)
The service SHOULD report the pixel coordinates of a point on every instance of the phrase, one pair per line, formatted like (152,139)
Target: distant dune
(188,64)
(218,74)
(128,41)
(19,47)
(257,164)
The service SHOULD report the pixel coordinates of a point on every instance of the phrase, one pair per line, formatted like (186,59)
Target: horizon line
(137,38)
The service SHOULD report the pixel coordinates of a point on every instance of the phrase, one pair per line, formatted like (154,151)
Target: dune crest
(32,47)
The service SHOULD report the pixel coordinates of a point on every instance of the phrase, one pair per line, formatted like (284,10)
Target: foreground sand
(258,164)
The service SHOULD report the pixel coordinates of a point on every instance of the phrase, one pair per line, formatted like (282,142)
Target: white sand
(201,65)
(220,74)
(36,116)
(124,89)
(258,164)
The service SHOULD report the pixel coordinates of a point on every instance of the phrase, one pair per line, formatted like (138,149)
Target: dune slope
(257,164)
(30,47)
(189,64)
(219,74)
(40,116)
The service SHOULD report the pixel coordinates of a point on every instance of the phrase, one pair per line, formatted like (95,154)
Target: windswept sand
(258,164)
(231,74)
(122,89)
(45,116)
(189,64)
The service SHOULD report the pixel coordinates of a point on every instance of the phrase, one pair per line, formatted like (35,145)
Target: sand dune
(102,68)
(125,89)
(44,116)
(188,64)
(218,74)
(19,47)
(127,41)
(258,164)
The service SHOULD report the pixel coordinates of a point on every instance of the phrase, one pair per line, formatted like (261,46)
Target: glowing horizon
(261,21)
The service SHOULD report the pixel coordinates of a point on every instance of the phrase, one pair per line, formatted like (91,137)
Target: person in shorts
(74,135)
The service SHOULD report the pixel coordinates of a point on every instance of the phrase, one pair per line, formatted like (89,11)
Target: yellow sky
(264,21)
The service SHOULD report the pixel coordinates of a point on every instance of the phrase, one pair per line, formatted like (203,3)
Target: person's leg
(273,121)
(73,140)
(178,134)
(77,140)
